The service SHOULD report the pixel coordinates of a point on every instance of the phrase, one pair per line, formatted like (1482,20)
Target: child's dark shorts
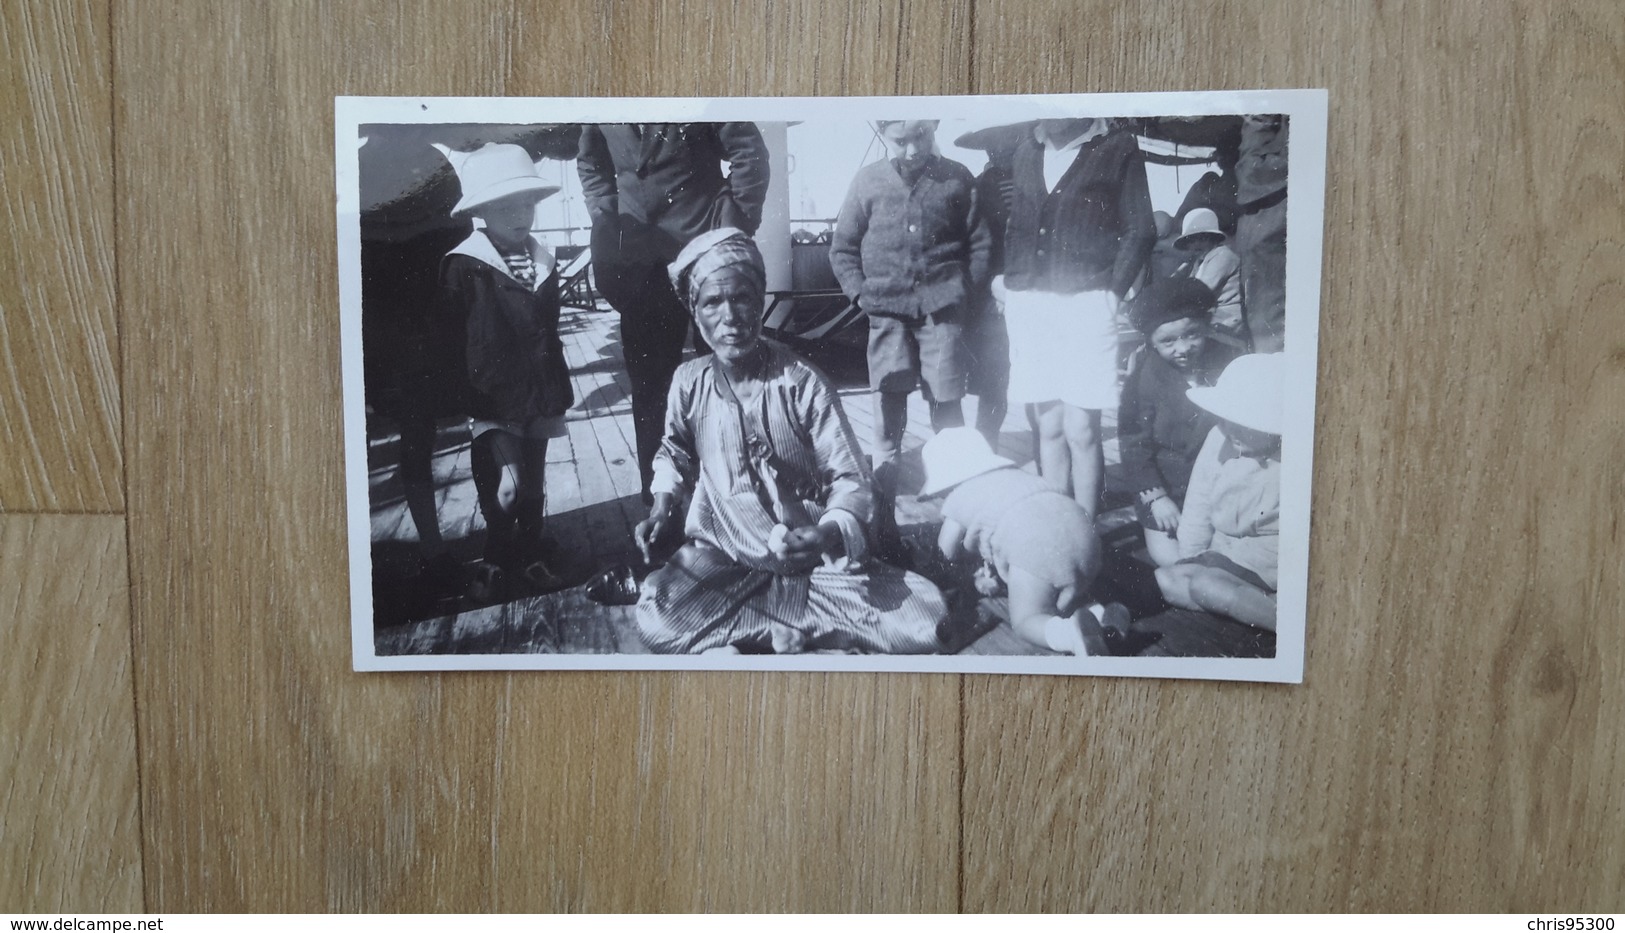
(903,353)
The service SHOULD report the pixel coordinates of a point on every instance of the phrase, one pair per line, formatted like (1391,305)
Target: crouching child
(1040,542)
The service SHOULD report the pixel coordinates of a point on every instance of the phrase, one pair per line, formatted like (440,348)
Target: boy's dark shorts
(905,352)
(1219,562)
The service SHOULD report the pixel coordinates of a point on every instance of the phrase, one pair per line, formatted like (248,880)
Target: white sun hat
(1248,392)
(492,172)
(956,455)
(1199,222)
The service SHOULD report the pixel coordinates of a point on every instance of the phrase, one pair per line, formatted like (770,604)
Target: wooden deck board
(605,462)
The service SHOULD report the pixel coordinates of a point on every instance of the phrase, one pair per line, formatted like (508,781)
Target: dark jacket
(1261,229)
(1261,167)
(911,250)
(652,187)
(1160,430)
(515,360)
(1094,231)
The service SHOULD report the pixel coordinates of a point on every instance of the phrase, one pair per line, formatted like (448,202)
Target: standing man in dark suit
(650,188)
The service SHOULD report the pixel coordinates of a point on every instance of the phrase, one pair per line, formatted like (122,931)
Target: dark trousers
(654,327)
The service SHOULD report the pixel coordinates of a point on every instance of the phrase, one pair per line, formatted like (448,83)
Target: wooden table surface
(179,727)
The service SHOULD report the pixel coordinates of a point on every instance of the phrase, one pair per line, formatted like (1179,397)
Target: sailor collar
(479,246)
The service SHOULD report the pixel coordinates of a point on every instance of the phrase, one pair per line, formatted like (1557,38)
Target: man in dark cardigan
(650,188)
(1079,233)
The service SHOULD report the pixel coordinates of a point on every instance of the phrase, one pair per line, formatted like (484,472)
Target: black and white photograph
(952,384)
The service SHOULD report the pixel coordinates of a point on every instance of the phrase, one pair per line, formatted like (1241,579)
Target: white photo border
(1306,171)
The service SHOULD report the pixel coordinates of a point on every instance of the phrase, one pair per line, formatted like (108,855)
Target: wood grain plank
(59,391)
(725,792)
(70,833)
(274,778)
(1455,745)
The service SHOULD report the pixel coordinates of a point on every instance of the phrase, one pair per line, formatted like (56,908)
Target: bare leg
(1054,454)
(1228,595)
(530,508)
(1087,456)
(496,460)
(1033,615)
(1175,583)
(1206,589)
(1162,547)
(533,481)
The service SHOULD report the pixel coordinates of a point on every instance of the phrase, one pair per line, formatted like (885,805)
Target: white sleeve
(1195,533)
(857,545)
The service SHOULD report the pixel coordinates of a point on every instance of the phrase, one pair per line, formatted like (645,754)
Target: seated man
(778,495)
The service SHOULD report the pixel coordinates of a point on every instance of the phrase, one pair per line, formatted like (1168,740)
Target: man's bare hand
(804,548)
(650,529)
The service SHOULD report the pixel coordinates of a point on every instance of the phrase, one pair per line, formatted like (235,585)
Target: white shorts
(1062,348)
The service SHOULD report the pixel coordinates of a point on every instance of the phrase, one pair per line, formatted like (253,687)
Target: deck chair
(575,278)
(813,314)
(809,314)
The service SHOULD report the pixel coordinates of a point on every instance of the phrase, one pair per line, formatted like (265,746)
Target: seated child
(502,285)
(1160,429)
(1039,540)
(1215,264)
(1229,532)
